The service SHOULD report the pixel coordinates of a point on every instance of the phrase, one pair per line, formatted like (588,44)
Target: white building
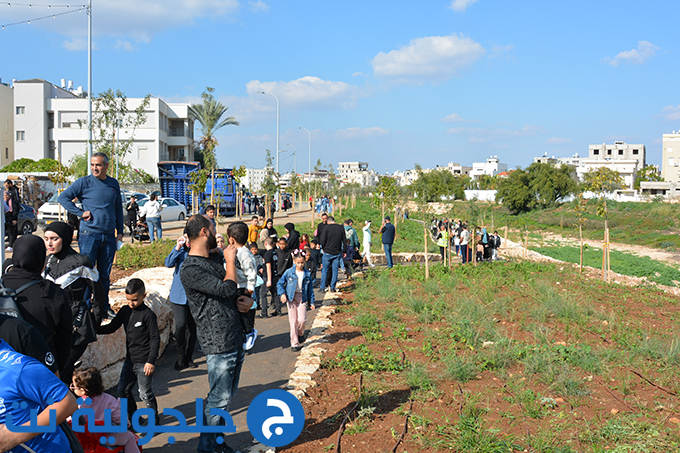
(618,151)
(491,167)
(254,179)
(51,121)
(628,169)
(670,160)
(358,173)
(6,125)
(574,160)
(406,178)
(458,169)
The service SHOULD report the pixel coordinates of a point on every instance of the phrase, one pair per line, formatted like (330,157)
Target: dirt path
(657,254)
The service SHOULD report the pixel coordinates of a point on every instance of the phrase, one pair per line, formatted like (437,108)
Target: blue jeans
(388,254)
(224,371)
(330,261)
(100,249)
(154,224)
(464,252)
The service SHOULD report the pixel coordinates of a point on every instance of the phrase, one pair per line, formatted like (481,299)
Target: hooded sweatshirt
(293,236)
(45,305)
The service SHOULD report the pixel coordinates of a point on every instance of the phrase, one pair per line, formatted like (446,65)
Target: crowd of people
(456,236)
(219,284)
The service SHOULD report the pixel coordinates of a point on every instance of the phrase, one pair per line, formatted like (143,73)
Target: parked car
(49,211)
(172,209)
(28,220)
(139,195)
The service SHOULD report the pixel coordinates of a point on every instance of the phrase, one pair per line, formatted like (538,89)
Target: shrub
(143,256)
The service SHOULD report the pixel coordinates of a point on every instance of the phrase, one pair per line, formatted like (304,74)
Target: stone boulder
(108,352)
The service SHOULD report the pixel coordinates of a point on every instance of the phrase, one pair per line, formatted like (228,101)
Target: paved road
(268,366)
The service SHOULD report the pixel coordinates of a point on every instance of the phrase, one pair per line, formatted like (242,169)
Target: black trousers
(11,229)
(185,332)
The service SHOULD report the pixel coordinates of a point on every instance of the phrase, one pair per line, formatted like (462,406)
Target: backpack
(8,299)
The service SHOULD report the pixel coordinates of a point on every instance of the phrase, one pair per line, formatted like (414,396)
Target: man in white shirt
(464,239)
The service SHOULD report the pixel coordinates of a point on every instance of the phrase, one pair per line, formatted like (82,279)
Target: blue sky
(392,83)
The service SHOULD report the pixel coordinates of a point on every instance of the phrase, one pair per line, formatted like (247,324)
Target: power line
(51,16)
(31,5)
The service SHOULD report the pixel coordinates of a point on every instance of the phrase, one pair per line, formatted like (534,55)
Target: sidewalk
(267,366)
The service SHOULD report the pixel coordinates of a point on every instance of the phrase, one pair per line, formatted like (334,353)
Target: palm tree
(210,114)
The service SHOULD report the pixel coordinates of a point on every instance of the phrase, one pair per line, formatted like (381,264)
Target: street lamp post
(310,153)
(294,154)
(278,122)
(89,85)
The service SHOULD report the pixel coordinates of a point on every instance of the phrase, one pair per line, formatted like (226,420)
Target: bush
(144,256)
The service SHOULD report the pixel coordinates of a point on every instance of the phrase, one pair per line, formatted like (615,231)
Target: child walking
(142,342)
(295,290)
(87,383)
(246,271)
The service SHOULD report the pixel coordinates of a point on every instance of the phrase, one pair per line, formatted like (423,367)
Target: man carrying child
(212,293)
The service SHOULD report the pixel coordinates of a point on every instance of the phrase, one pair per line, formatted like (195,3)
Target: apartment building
(6,124)
(51,121)
(491,167)
(670,160)
(618,151)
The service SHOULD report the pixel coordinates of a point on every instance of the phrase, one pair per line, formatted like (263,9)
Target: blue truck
(175,182)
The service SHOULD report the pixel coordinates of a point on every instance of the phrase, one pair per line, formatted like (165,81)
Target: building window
(21,136)
(609,152)
(6,153)
(596,152)
(635,152)
(620,152)
(21,110)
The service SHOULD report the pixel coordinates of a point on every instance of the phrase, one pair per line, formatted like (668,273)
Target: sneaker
(250,340)
(296,348)
(263,315)
(191,364)
(276,313)
(180,365)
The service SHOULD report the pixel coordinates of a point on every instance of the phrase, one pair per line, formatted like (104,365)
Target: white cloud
(259,7)
(456,118)
(360,132)
(125,45)
(461,5)
(75,44)
(431,58)
(645,50)
(558,141)
(671,113)
(132,19)
(485,135)
(309,92)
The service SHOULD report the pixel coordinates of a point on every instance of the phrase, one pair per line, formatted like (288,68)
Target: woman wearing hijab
(44,305)
(75,274)
(268,232)
(293,236)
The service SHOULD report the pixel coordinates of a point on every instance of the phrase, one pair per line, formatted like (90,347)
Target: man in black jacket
(213,301)
(333,242)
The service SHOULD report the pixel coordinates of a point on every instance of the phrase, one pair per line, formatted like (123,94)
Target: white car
(49,211)
(172,209)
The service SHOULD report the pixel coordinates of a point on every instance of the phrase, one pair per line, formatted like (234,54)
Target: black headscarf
(29,254)
(65,232)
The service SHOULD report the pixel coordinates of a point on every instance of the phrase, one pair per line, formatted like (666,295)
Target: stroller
(141,230)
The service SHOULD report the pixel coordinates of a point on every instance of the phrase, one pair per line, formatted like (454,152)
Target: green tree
(270,184)
(438,184)
(110,114)
(25,165)
(210,114)
(648,173)
(387,194)
(539,186)
(515,192)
